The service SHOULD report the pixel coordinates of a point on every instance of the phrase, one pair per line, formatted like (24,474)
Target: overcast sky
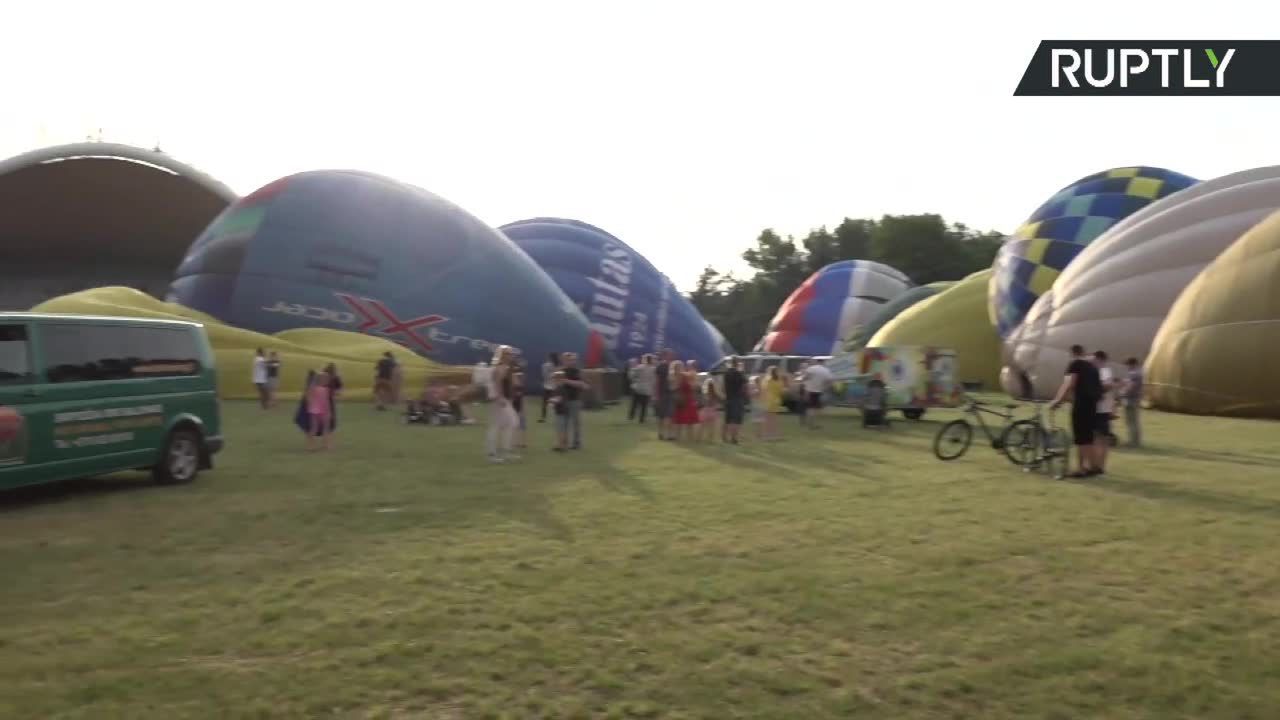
(682,127)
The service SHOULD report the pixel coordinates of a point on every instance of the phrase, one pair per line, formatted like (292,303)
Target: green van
(86,396)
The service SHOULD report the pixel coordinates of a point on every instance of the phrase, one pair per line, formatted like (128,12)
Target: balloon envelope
(1215,353)
(891,310)
(354,354)
(355,251)
(1118,291)
(634,308)
(955,318)
(831,306)
(1029,262)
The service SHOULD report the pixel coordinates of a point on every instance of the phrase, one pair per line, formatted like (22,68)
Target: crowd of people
(687,406)
(1093,390)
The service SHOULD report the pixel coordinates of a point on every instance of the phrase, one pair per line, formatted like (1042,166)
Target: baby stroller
(874,413)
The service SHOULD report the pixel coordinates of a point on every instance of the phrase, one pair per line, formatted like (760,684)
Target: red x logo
(379,319)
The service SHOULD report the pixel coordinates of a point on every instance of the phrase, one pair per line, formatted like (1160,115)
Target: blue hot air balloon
(628,302)
(355,251)
(1029,262)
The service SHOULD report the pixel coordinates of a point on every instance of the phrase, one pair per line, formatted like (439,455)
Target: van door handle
(31,393)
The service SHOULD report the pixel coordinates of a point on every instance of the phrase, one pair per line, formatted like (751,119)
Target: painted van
(83,396)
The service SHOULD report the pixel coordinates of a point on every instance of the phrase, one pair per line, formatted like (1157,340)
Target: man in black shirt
(662,401)
(572,397)
(735,400)
(1084,385)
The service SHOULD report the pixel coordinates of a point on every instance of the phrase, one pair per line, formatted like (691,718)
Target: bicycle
(1044,445)
(954,438)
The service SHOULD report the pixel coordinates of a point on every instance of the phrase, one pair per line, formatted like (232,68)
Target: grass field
(843,573)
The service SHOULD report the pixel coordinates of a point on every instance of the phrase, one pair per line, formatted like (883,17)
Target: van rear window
(91,353)
(15,355)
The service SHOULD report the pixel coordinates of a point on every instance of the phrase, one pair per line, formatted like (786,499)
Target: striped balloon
(1031,260)
(831,306)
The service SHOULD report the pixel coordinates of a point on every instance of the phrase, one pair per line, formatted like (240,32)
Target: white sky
(682,127)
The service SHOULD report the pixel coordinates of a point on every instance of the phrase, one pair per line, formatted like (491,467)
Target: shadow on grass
(36,495)
(1219,502)
(1210,456)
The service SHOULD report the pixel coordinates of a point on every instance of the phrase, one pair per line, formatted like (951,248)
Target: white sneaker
(512,456)
(495,459)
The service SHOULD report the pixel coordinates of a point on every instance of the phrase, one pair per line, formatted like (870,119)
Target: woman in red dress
(686,418)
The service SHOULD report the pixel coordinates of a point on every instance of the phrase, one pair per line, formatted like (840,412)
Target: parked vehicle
(916,378)
(85,396)
(759,364)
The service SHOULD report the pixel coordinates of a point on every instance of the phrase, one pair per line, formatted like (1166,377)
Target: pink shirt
(318,400)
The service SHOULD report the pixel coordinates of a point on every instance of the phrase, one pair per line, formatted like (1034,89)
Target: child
(319,397)
(557,401)
(517,404)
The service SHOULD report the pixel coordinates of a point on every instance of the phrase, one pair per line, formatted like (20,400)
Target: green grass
(842,573)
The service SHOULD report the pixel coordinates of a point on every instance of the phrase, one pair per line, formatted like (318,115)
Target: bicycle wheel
(1021,442)
(953,440)
(1057,453)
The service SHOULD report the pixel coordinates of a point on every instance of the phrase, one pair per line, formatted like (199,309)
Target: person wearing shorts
(1084,385)
(735,401)
(815,378)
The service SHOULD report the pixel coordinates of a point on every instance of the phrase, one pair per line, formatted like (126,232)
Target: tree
(924,247)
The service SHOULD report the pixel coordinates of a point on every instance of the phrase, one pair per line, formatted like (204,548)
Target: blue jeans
(575,422)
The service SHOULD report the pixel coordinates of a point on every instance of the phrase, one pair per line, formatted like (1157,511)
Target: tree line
(924,247)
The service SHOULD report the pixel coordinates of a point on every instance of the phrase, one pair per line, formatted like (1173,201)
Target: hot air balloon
(890,310)
(955,318)
(1029,263)
(1118,290)
(355,251)
(634,308)
(1215,353)
(831,306)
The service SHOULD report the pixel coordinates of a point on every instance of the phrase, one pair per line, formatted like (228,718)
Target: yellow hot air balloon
(955,318)
(1215,353)
(355,354)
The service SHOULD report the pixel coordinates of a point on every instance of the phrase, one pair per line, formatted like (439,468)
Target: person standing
(573,387)
(502,416)
(685,400)
(549,369)
(1106,409)
(1131,393)
(642,389)
(663,403)
(815,379)
(1083,385)
(383,375)
(260,378)
(735,401)
(335,394)
(319,406)
(771,392)
(517,405)
(273,378)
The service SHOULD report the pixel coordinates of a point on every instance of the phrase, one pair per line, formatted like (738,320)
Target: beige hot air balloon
(1117,292)
(955,318)
(1216,352)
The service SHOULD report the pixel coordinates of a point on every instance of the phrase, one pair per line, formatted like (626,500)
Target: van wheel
(180,462)
(913,413)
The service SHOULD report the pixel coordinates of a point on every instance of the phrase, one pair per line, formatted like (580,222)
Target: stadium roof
(85,201)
